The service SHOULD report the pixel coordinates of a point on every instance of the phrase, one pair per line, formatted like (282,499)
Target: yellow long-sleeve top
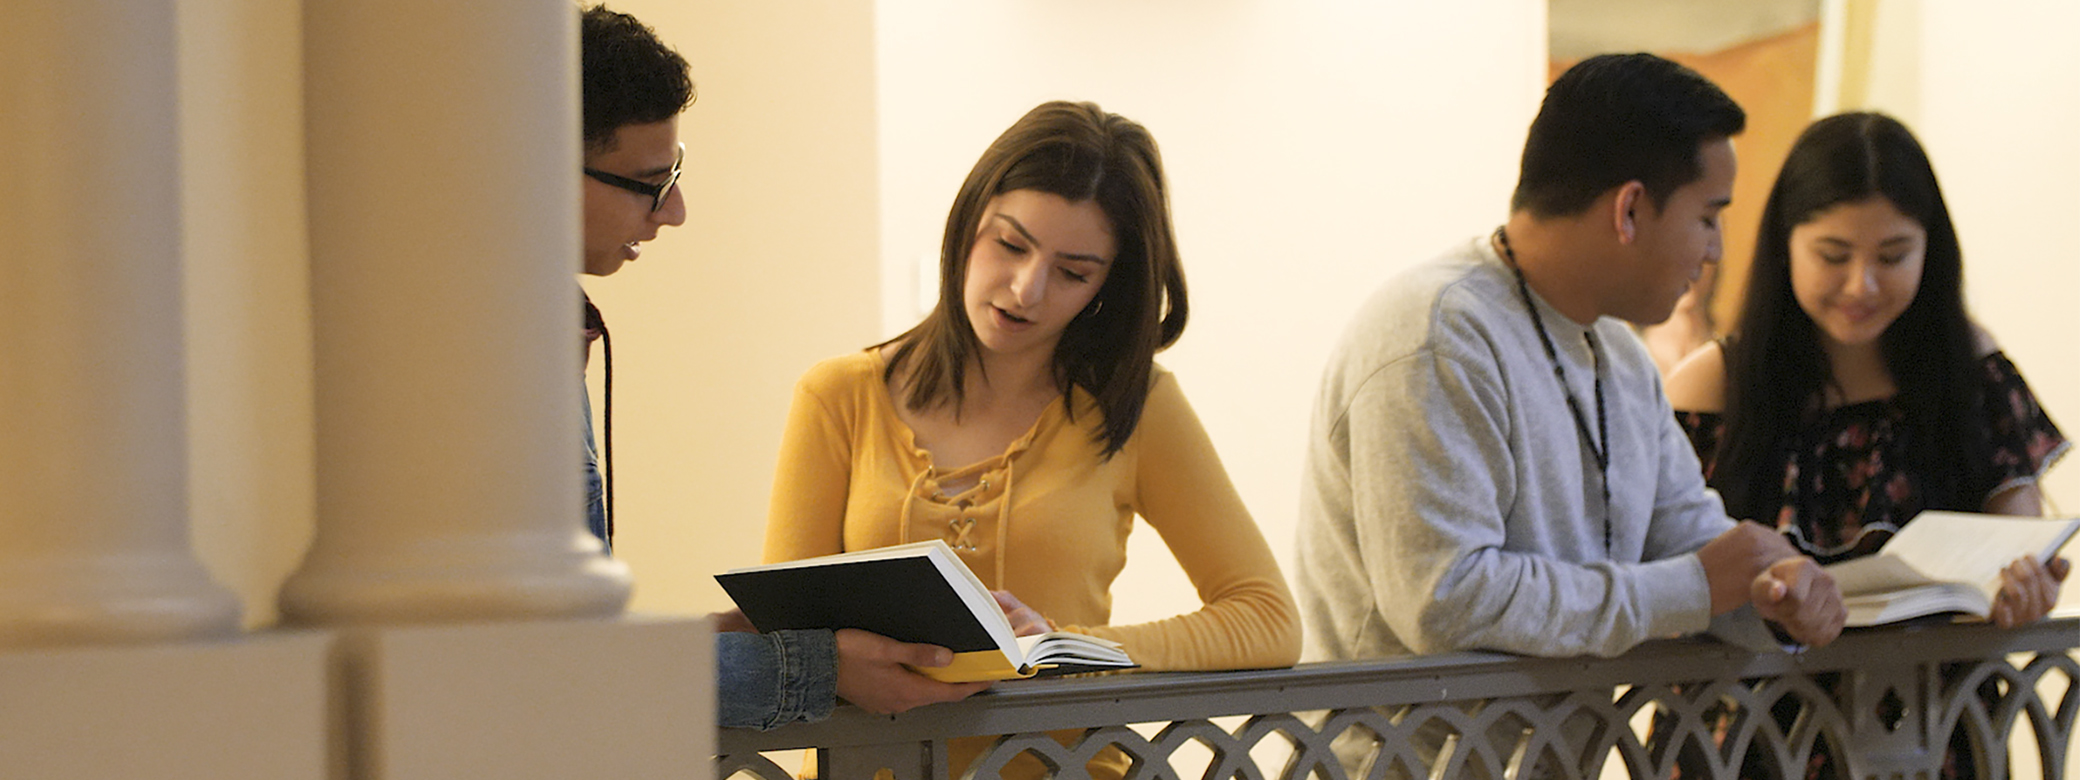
(1048,519)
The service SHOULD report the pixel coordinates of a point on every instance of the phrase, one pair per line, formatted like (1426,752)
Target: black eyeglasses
(657,192)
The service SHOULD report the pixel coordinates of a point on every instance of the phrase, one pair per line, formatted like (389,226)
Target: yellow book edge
(975,666)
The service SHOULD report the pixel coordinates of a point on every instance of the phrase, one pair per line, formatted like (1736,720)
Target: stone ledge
(252,706)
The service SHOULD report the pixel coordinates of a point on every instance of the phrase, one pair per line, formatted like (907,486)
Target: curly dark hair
(1615,118)
(630,77)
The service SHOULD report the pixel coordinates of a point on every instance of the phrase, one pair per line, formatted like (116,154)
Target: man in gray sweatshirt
(1492,464)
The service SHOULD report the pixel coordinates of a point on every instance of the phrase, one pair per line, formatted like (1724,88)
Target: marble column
(93,434)
(442,158)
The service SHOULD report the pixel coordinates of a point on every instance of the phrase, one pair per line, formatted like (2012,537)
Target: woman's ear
(1625,208)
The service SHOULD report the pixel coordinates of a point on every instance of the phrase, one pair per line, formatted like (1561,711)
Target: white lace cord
(1004,521)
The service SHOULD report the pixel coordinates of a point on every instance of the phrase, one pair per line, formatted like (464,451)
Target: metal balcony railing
(1885,703)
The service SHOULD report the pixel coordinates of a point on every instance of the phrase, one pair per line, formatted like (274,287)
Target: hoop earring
(1093,309)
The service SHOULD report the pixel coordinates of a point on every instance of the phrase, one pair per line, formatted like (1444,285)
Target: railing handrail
(1044,705)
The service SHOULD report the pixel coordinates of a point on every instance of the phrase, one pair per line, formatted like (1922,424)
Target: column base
(451,580)
(624,697)
(129,598)
(248,707)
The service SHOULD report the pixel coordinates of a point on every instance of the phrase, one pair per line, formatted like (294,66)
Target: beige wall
(774,269)
(2000,112)
(1993,91)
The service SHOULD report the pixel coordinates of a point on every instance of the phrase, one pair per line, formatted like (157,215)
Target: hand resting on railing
(1753,564)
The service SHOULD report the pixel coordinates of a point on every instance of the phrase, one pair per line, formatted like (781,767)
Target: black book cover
(900,598)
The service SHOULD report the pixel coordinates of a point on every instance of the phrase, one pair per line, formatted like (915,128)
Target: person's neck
(1858,370)
(1546,253)
(1010,378)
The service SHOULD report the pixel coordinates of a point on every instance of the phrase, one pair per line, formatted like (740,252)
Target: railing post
(443,153)
(902,760)
(93,418)
(481,623)
(1891,708)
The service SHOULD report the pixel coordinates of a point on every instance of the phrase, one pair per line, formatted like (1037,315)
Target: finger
(1816,615)
(1767,591)
(1821,612)
(927,656)
(2043,591)
(1772,545)
(2046,588)
(2028,570)
(1794,583)
(1007,602)
(2014,605)
(2003,612)
(2034,590)
(1798,583)
(1832,631)
(2059,568)
(1823,618)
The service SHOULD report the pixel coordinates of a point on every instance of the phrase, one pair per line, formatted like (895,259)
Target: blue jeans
(773,679)
(595,493)
(761,680)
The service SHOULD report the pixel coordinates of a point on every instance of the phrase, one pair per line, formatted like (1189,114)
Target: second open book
(1943,562)
(918,592)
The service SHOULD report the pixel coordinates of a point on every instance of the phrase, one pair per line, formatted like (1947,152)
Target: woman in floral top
(1856,392)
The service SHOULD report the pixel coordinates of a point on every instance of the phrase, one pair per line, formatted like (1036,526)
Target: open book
(915,593)
(1943,562)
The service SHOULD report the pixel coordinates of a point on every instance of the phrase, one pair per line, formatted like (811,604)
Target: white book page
(911,550)
(1874,609)
(1874,574)
(978,599)
(1971,548)
(1071,646)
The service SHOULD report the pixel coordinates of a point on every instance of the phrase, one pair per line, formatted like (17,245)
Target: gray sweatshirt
(1450,503)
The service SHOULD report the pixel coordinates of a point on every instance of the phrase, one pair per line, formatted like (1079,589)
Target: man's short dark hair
(1615,118)
(630,77)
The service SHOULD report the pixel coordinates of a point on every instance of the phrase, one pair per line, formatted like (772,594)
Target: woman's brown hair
(1081,153)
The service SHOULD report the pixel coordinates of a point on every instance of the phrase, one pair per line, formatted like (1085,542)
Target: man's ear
(1625,208)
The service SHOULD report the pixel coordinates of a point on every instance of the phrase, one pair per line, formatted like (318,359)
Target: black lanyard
(594,321)
(1581,421)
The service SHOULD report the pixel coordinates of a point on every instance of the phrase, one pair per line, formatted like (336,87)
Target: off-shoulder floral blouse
(1846,484)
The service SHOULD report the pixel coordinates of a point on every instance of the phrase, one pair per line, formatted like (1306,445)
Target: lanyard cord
(1602,453)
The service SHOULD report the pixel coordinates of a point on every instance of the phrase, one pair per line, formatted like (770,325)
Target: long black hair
(1776,369)
(1081,153)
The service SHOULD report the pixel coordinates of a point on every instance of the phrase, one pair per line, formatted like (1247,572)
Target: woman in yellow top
(1025,422)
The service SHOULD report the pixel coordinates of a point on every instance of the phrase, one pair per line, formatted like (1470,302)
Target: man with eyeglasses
(634,88)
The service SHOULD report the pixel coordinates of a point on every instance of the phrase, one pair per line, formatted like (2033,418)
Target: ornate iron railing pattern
(1883,701)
